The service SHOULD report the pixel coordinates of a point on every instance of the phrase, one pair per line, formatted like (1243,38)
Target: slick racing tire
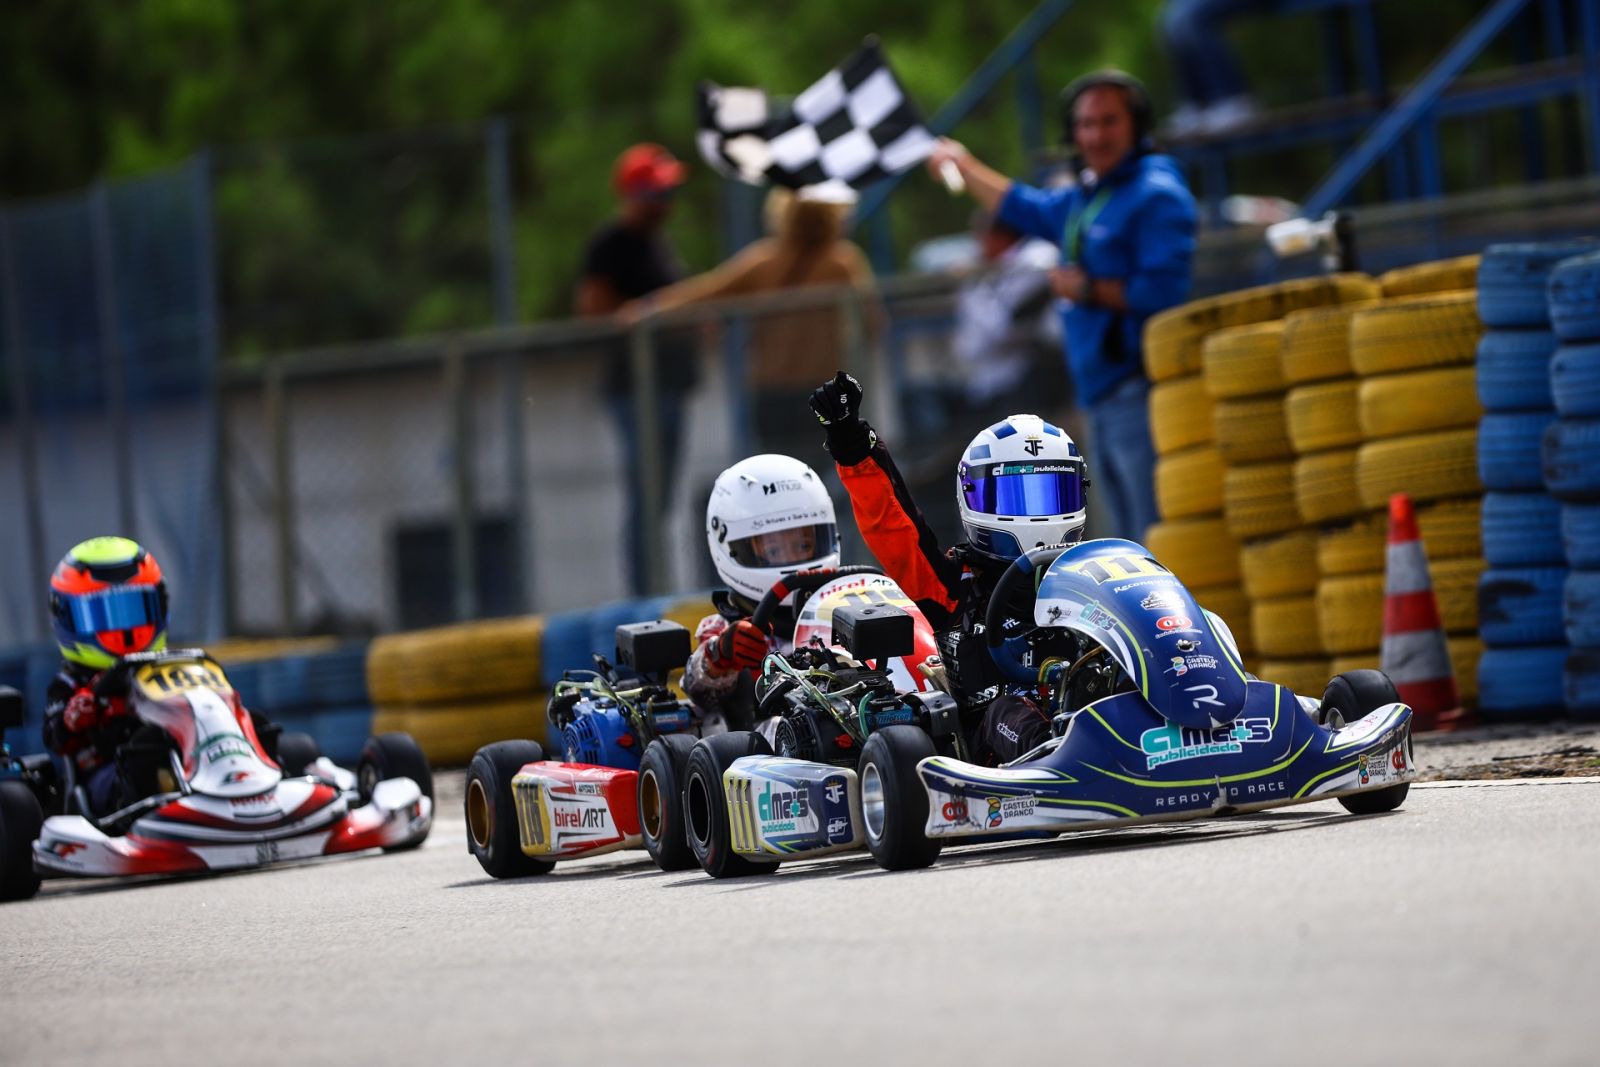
(20,823)
(491,810)
(296,753)
(392,756)
(661,822)
(705,803)
(894,804)
(1440,276)
(1351,696)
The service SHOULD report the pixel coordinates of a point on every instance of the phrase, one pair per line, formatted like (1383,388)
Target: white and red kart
(215,799)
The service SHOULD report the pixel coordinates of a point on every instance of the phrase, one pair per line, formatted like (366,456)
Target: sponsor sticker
(1003,808)
(1162,600)
(954,810)
(838,830)
(1174,744)
(785,809)
(1174,622)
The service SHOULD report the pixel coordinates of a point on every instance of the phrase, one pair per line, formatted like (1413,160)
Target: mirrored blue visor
(115,609)
(1024,489)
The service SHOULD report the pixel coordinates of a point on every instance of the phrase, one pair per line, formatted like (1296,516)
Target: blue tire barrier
(565,646)
(1514,370)
(1573,296)
(341,732)
(1512,280)
(1575,380)
(337,679)
(1580,609)
(1580,535)
(1522,530)
(1522,683)
(1582,683)
(1520,606)
(246,681)
(283,685)
(1509,449)
(1571,459)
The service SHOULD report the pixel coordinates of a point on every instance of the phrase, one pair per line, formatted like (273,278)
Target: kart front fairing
(1181,658)
(1121,762)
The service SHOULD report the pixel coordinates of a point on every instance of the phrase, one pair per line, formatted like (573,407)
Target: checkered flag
(853,127)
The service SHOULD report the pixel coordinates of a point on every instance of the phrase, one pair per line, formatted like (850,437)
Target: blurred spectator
(1214,97)
(790,351)
(629,258)
(1008,336)
(1127,240)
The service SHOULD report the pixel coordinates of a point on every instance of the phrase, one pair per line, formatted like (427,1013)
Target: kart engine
(595,729)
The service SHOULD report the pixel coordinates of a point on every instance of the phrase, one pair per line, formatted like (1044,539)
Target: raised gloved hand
(838,407)
(742,646)
(82,712)
(838,401)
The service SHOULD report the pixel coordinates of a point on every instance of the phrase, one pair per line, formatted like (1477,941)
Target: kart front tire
(20,822)
(705,803)
(662,774)
(894,804)
(393,756)
(296,753)
(491,810)
(1351,696)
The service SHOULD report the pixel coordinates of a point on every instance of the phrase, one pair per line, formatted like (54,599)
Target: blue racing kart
(1180,730)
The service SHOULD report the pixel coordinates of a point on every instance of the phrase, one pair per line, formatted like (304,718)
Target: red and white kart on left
(220,801)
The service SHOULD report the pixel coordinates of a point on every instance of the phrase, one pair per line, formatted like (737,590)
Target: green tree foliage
(348,139)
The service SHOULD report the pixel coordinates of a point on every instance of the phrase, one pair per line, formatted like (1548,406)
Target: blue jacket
(1142,232)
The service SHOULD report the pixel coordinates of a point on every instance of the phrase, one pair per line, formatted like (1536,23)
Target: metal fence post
(463,546)
(647,431)
(112,356)
(27,455)
(277,420)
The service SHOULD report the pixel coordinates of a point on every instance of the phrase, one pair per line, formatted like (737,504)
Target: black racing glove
(838,407)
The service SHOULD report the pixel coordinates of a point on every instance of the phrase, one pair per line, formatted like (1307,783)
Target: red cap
(646,170)
(1402,520)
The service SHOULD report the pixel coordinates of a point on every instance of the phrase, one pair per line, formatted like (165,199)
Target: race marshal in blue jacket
(1126,232)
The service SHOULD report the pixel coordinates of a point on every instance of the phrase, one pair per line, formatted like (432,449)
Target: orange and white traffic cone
(1415,655)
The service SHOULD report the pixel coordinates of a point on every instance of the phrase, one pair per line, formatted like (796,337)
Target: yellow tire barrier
(1442,398)
(1358,548)
(1233,606)
(1258,500)
(1200,551)
(451,733)
(1280,566)
(1251,429)
(1325,486)
(1420,331)
(1172,339)
(1465,651)
(495,657)
(1450,529)
(1429,466)
(688,612)
(1189,483)
(1322,416)
(1180,414)
(252,649)
(1286,627)
(1440,276)
(1350,607)
(1243,360)
(1316,343)
(1307,677)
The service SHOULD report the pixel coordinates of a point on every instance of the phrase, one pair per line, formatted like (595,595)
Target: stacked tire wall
(1315,422)
(1571,468)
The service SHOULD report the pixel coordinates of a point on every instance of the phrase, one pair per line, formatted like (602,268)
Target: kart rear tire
(705,804)
(662,775)
(894,804)
(20,822)
(296,753)
(393,756)
(491,810)
(1353,695)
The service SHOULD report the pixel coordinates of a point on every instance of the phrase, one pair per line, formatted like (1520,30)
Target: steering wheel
(803,582)
(1017,577)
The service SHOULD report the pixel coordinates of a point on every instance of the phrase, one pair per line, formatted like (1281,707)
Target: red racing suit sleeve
(901,539)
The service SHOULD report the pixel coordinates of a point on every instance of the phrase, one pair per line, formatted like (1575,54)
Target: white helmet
(1021,485)
(769,516)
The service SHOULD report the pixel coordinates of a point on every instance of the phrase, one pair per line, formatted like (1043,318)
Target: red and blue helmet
(108,599)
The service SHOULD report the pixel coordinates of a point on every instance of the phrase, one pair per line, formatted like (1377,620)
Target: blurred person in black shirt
(629,258)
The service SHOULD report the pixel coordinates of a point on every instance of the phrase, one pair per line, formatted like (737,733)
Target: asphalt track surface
(1463,928)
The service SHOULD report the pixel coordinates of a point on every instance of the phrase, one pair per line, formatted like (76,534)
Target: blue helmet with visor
(1021,484)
